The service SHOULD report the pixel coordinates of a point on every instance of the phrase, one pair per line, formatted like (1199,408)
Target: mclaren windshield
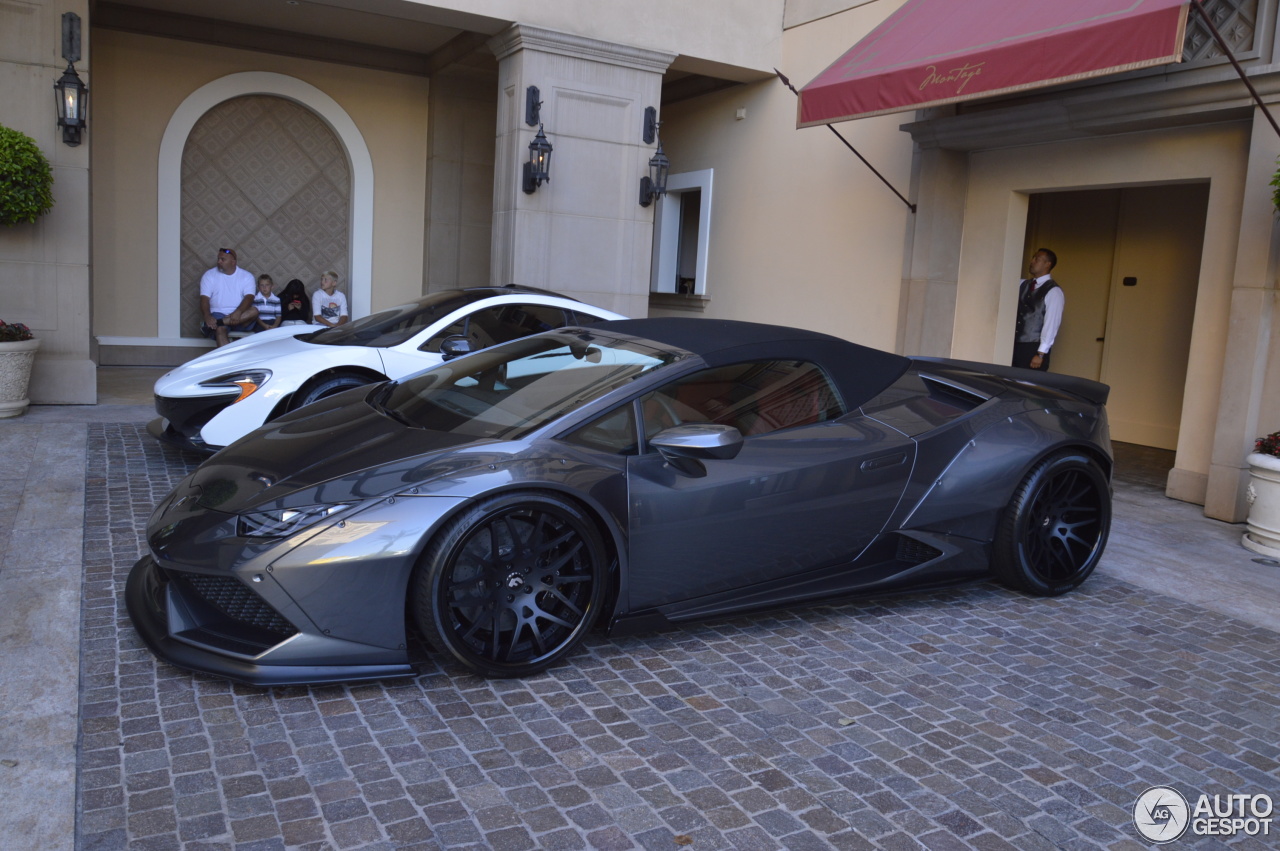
(396,325)
(508,391)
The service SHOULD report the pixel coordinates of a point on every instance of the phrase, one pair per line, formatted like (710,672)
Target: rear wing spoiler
(1091,391)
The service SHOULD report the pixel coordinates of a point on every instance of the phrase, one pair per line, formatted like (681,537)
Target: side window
(494,325)
(513,321)
(578,317)
(757,397)
(614,432)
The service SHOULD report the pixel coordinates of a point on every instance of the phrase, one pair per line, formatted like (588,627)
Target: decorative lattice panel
(268,178)
(1235,20)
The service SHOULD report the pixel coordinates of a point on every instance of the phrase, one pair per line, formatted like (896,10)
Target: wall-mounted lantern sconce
(70,92)
(538,169)
(653,184)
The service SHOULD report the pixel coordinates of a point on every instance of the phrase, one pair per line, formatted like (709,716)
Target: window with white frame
(682,235)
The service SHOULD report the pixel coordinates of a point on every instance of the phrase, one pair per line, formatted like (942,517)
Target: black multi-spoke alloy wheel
(1054,529)
(327,387)
(511,586)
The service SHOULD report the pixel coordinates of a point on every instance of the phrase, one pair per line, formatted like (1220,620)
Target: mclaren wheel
(512,585)
(327,387)
(1055,527)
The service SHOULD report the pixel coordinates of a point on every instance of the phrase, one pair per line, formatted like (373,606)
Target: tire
(328,387)
(1055,527)
(512,585)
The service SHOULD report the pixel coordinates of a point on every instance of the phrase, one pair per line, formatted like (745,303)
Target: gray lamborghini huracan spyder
(629,474)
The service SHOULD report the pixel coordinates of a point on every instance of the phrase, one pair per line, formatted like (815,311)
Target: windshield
(396,325)
(509,390)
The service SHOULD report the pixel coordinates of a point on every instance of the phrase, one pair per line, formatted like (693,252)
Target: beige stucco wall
(44,266)
(142,80)
(739,39)
(802,233)
(992,259)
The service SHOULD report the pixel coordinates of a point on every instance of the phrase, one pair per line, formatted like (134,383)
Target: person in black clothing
(295,306)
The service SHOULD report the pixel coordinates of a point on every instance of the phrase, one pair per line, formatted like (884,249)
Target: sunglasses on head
(225,251)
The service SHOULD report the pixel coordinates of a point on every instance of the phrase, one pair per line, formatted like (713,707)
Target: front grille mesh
(233,599)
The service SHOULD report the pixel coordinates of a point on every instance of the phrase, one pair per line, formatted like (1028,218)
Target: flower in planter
(1269,445)
(15,332)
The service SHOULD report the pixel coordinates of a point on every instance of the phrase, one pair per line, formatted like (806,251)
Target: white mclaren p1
(223,395)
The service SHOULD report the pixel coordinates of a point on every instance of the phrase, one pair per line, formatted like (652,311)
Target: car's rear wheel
(512,585)
(335,383)
(1055,527)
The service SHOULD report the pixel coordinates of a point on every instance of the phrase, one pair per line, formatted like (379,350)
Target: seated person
(268,304)
(295,307)
(328,304)
(226,299)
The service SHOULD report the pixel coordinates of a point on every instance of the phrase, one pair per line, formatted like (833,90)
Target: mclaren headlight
(282,522)
(248,380)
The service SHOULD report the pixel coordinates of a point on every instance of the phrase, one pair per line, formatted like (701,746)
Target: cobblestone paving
(970,718)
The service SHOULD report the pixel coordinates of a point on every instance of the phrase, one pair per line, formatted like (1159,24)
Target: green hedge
(25,179)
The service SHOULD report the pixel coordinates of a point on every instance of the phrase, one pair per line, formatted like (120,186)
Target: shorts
(213,332)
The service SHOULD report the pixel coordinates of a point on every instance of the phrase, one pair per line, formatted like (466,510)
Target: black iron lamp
(538,169)
(73,105)
(654,184)
(70,92)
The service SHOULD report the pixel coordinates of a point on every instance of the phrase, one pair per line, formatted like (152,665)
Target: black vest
(1031,310)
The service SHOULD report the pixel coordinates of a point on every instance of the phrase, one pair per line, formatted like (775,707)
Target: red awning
(932,52)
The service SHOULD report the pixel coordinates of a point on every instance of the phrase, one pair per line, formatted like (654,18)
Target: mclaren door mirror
(455,347)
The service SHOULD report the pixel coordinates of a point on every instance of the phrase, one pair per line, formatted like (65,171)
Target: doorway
(1129,264)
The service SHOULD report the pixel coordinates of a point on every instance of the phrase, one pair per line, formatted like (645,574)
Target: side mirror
(455,347)
(686,446)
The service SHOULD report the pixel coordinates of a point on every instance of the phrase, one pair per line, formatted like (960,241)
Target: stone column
(459,226)
(927,310)
(44,267)
(1245,370)
(584,233)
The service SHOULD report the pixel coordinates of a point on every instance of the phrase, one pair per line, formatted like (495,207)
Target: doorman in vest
(1040,303)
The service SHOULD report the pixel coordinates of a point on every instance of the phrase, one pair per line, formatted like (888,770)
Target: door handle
(1100,339)
(883,461)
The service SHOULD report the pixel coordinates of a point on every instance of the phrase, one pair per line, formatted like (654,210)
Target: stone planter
(1263,535)
(15,371)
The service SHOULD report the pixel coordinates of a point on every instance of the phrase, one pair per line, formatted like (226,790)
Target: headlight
(247,380)
(281,523)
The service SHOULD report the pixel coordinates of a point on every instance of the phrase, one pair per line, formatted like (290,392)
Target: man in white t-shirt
(226,299)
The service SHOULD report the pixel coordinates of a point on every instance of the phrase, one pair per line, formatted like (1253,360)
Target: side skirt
(898,561)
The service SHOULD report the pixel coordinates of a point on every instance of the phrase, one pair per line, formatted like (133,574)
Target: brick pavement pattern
(967,718)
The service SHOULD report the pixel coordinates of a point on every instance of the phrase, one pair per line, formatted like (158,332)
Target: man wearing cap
(226,299)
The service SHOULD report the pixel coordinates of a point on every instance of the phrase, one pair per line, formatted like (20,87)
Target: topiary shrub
(25,179)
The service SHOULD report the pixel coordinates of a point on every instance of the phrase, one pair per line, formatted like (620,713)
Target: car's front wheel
(513,584)
(1053,531)
(336,383)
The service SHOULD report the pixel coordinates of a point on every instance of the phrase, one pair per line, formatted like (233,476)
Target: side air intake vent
(912,551)
(952,394)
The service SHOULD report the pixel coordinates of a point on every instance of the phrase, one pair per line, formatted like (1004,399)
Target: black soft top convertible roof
(858,371)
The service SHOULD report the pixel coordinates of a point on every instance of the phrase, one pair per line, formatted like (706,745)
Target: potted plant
(26,180)
(1263,526)
(17,353)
